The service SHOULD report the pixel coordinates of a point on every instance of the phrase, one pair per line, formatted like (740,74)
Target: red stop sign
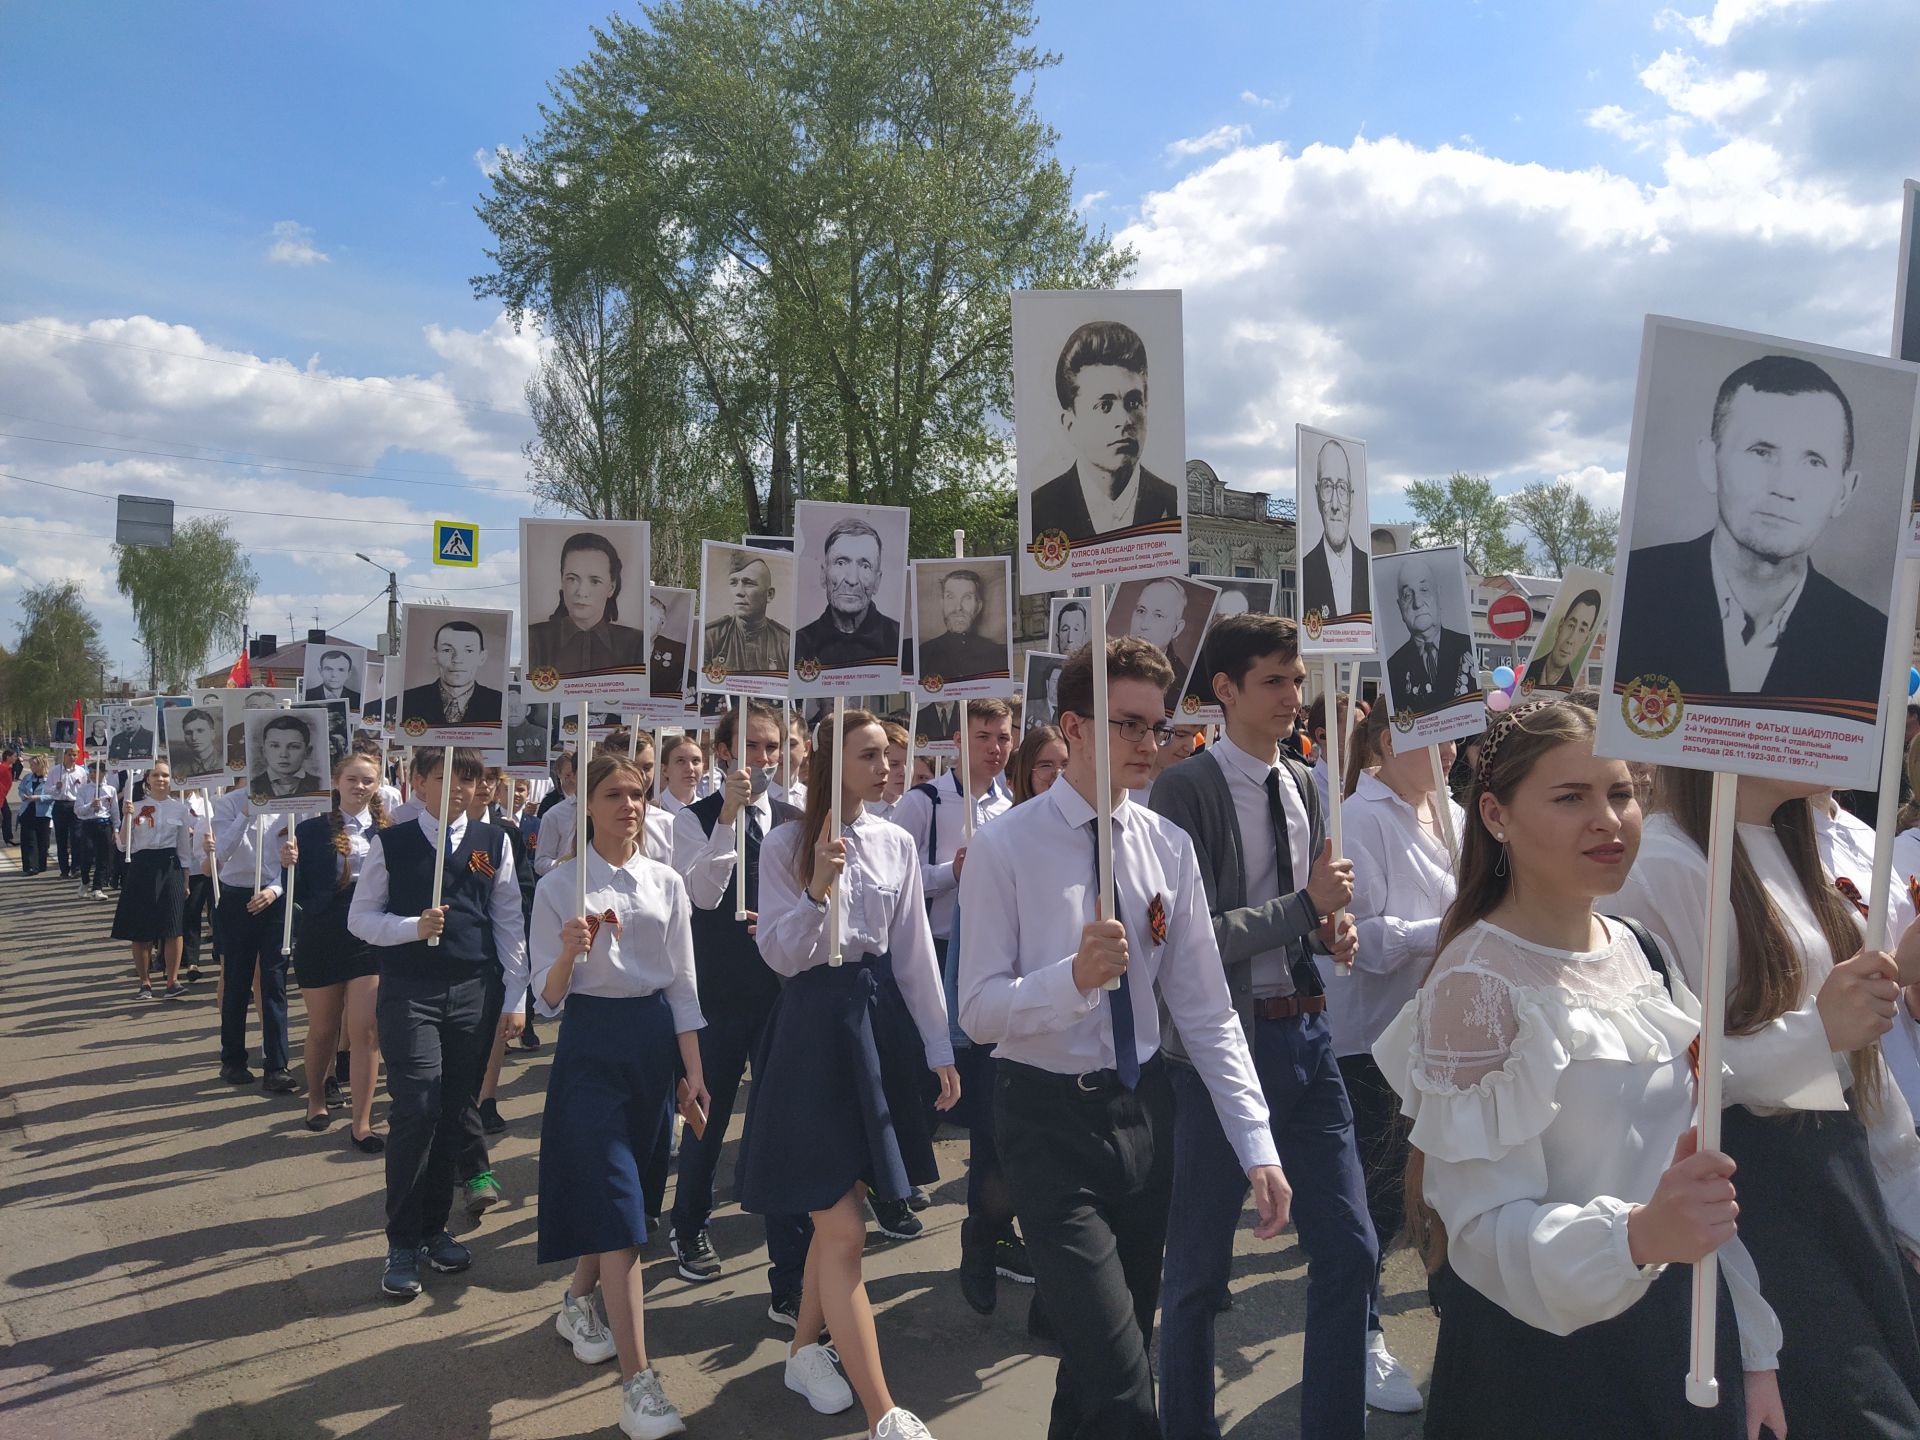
(1509,616)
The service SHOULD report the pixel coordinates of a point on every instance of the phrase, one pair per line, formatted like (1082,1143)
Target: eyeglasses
(1344,490)
(1134,731)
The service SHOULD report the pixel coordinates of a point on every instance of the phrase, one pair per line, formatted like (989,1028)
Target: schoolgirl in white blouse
(1545,1068)
(153,898)
(1829,1162)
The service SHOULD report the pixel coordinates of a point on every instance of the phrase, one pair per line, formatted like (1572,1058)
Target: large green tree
(1566,527)
(187,597)
(826,203)
(1463,510)
(59,658)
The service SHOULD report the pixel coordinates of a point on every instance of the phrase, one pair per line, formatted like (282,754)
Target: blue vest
(733,979)
(466,945)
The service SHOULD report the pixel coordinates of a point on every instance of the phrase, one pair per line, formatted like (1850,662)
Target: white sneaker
(580,1324)
(1389,1386)
(645,1411)
(814,1371)
(898,1424)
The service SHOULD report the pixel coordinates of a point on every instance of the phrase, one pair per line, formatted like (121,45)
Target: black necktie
(1283,871)
(1126,1052)
(753,858)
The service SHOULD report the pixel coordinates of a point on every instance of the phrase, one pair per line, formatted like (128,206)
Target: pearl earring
(1501,836)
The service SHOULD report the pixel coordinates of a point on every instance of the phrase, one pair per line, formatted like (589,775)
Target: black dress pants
(473,1136)
(1091,1173)
(63,823)
(249,942)
(199,909)
(435,1048)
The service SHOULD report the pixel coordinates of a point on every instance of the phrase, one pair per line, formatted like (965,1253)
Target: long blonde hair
(337,820)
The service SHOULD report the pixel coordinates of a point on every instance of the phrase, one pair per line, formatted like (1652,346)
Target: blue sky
(1435,225)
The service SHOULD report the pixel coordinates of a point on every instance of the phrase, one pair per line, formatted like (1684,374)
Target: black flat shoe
(317,1123)
(369,1144)
(236,1074)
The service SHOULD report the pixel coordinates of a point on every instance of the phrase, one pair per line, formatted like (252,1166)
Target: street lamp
(393,603)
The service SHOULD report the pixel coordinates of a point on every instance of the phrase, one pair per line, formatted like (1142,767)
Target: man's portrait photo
(334,672)
(454,665)
(131,731)
(1169,611)
(64,731)
(850,574)
(1239,595)
(937,723)
(1573,625)
(528,726)
(1425,629)
(583,597)
(1067,623)
(1040,703)
(747,602)
(1759,562)
(286,755)
(1100,427)
(233,707)
(98,732)
(670,632)
(193,745)
(962,621)
(1332,510)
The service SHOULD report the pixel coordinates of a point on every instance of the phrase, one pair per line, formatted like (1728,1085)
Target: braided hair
(337,819)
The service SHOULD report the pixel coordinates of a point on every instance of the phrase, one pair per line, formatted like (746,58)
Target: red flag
(79,734)
(241,676)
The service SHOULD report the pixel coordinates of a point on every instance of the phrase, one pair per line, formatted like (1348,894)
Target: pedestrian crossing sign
(456,544)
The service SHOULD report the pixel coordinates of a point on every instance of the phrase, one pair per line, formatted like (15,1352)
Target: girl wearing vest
(1545,1068)
(624,973)
(1829,1164)
(433,1001)
(339,973)
(826,1120)
(154,897)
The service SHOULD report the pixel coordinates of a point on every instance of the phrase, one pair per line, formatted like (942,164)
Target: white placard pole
(913,740)
(633,739)
(440,842)
(1880,934)
(286,901)
(786,751)
(833,825)
(1702,1388)
(1102,766)
(214,868)
(1353,710)
(659,748)
(580,764)
(740,817)
(126,828)
(1332,745)
(966,729)
(1443,807)
(259,846)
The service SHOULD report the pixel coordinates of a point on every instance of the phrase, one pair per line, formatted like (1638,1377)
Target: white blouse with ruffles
(1547,1089)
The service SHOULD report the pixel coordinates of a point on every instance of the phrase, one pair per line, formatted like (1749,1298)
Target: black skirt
(1814,1221)
(836,1097)
(153,898)
(1497,1376)
(325,952)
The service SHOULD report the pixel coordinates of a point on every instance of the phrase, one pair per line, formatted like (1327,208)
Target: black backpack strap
(932,791)
(1650,947)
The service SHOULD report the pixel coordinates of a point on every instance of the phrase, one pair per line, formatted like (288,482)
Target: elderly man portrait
(747,640)
(1070,627)
(1100,380)
(960,651)
(1333,577)
(1435,665)
(336,675)
(456,697)
(851,630)
(130,737)
(1160,618)
(1740,609)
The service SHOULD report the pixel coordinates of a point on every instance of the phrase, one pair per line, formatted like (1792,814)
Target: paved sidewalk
(181,1259)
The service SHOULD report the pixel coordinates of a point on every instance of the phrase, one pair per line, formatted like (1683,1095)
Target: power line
(230,510)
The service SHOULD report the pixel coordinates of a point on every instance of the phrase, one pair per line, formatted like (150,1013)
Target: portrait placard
(768,542)
(97,733)
(1906,329)
(850,592)
(1336,609)
(133,731)
(1574,625)
(1767,482)
(583,603)
(1239,595)
(936,728)
(190,731)
(339,730)
(1170,611)
(453,669)
(63,731)
(746,605)
(1040,695)
(334,672)
(1102,492)
(1067,624)
(234,704)
(1425,630)
(963,618)
(529,733)
(670,653)
(287,760)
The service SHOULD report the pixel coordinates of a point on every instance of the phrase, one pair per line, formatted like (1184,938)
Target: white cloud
(1683,83)
(1264,102)
(491,162)
(1221,137)
(1626,125)
(1730,16)
(293,245)
(1599,484)
(1087,201)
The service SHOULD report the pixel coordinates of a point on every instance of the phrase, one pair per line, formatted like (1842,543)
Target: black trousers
(6,822)
(63,835)
(34,830)
(1380,1132)
(250,942)
(199,909)
(93,852)
(473,1136)
(1092,1176)
(433,1040)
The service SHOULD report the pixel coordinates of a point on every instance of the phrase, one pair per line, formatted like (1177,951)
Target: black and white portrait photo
(191,729)
(1239,595)
(1766,496)
(1426,634)
(1336,608)
(746,606)
(64,732)
(453,667)
(339,729)
(1572,627)
(1906,325)
(669,652)
(234,705)
(1100,435)
(583,600)
(963,621)
(94,728)
(1169,611)
(850,592)
(334,672)
(287,757)
(1067,627)
(1040,702)
(936,728)
(132,731)
(529,728)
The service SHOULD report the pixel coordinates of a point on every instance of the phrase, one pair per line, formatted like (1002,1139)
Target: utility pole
(393,604)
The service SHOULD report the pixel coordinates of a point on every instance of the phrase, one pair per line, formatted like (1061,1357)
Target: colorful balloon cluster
(1500,695)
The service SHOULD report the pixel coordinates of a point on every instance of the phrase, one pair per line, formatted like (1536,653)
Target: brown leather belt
(1285,1007)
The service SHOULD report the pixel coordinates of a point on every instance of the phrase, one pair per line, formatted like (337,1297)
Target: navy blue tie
(1126,1054)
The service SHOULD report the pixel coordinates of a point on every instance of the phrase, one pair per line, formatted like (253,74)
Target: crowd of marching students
(1472,1031)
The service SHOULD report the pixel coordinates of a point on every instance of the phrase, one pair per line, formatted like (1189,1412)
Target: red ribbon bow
(594,922)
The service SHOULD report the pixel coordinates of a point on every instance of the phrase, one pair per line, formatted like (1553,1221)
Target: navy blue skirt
(838,1095)
(609,1098)
(153,899)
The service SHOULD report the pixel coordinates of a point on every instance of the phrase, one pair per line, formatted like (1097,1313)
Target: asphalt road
(181,1259)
